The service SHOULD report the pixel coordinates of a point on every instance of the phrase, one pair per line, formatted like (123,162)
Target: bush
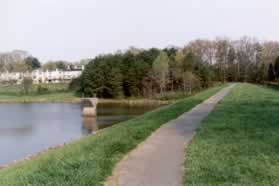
(75,84)
(26,85)
(172,95)
(42,90)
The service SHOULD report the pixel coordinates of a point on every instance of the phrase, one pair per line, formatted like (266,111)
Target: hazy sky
(75,29)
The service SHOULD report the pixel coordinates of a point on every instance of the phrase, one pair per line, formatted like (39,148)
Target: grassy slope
(238,143)
(90,160)
(56,93)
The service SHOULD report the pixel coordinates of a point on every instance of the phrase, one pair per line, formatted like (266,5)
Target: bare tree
(270,51)
(8,60)
(246,56)
(205,50)
(223,47)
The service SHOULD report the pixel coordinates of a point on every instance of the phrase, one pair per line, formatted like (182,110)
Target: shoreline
(30,157)
(34,155)
(132,102)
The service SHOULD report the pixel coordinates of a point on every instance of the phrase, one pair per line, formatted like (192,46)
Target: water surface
(29,128)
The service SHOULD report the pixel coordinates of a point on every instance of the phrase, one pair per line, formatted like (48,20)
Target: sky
(76,29)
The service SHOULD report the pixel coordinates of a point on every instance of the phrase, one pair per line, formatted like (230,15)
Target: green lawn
(238,144)
(90,160)
(52,93)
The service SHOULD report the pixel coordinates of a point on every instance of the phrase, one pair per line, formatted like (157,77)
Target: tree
(189,80)
(270,51)
(53,65)
(27,84)
(276,68)
(161,70)
(115,82)
(20,66)
(171,51)
(32,63)
(186,63)
(173,73)
(102,78)
(205,75)
(61,65)
(256,66)
(49,65)
(223,47)
(148,84)
(138,72)
(118,74)
(261,74)
(248,51)
(8,60)
(204,50)
(271,75)
(75,84)
(232,68)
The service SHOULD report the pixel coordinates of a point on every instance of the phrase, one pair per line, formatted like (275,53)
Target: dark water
(29,128)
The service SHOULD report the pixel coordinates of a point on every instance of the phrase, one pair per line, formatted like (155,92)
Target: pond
(29,128)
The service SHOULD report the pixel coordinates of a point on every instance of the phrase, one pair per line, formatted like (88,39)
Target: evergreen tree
(276,68)
(32,63)
(261,75)
(271,75)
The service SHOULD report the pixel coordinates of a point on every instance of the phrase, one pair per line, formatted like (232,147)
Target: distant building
(44,76)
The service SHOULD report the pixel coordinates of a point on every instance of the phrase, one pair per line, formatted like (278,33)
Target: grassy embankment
(90,160)
(52,93)
(238,143)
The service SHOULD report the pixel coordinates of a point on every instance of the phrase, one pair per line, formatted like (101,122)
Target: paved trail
(159,160)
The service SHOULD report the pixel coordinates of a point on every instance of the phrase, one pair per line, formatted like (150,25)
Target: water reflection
(23,131)
(29,128)
(89,125)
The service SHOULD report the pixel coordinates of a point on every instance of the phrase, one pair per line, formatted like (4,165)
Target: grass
(54,93)
(238,143)
(179,94)
(90,160)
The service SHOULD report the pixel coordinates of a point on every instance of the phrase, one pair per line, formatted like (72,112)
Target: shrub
(26,85)
(42,90)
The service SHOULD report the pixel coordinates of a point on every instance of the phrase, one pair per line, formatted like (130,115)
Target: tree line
(18,61)
(138,72)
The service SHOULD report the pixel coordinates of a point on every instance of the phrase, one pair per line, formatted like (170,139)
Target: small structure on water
(89,106)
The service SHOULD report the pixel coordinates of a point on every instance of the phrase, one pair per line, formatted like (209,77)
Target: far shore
(60,93)
(133,102)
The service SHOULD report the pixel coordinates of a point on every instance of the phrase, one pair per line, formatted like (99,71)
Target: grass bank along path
(238,144)
(159,160)
(90,160)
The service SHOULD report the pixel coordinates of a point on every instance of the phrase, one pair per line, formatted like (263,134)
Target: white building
(43,76)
